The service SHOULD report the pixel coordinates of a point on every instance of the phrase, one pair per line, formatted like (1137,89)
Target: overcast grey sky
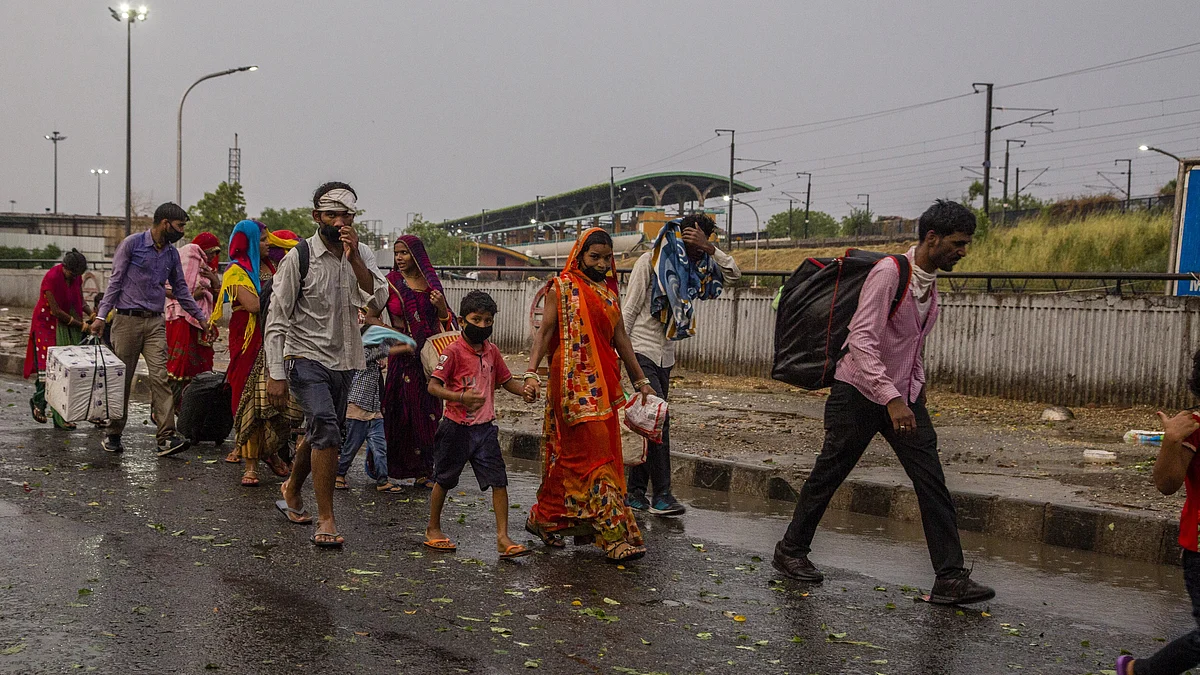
(448,107)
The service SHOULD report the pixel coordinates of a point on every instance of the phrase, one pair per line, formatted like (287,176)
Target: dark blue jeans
(656,470)
(1184,652)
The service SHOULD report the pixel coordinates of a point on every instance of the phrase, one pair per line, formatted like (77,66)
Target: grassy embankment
(1112,242)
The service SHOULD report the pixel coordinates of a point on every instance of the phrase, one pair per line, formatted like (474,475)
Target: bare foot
(292,497)
(434,534)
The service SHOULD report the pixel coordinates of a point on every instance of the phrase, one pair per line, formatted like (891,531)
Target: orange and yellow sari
(583,474)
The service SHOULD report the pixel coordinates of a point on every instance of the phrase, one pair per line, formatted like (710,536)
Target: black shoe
(800,568)
(112,444)
(959,590)
(173,445)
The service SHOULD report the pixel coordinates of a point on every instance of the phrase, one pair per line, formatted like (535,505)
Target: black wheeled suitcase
(204,414)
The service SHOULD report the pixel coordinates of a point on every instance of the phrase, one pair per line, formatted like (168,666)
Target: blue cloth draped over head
(676,281)
(246,254)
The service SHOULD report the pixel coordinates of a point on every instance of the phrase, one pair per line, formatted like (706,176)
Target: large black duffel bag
(815,308)
(205,413)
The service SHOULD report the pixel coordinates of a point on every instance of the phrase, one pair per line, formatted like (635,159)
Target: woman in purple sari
(417,307)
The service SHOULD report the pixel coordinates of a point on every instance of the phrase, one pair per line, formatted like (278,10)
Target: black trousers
(656,470)
(851,421)
(1184,652)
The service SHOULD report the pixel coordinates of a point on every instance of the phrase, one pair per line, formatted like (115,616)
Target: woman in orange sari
(583,473)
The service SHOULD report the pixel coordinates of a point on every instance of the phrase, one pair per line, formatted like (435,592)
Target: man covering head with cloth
(313,345)
(683,266)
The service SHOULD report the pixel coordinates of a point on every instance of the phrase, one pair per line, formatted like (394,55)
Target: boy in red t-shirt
(466,378)
(1176,466)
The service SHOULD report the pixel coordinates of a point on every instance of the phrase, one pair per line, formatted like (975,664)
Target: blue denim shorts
(322,394)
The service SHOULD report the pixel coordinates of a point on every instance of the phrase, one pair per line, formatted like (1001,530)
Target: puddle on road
(1081,585)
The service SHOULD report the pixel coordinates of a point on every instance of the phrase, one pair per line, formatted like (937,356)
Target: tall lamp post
(179,127)
(612,195)
(757,229)
(98,173)
(129,15)
(54,138)
(1150,148)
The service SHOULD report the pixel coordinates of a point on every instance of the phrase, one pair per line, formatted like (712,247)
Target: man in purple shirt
(142,263)
(879,388)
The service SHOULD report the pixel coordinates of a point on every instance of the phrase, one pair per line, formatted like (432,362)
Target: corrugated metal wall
(1057,349)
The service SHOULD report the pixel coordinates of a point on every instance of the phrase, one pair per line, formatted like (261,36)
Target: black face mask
(173,235)
(476,335)
(595,274)
(331,233)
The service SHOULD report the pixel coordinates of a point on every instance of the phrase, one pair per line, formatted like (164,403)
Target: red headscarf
(207,241)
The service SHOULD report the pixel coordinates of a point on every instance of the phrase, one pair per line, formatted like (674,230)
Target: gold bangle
(645,381)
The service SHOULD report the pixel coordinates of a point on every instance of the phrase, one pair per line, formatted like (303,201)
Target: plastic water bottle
(1140,437)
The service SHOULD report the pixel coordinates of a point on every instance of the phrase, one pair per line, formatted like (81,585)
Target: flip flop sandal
(288,512)
(549,539)
(330,540)
(443,544)
(426,483)
(234,457)
(39,415)
(340,483)
(250,480)
(515,551)
(278,466)
(389,488)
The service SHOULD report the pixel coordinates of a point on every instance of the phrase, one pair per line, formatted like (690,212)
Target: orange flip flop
(442,544)
(515,551)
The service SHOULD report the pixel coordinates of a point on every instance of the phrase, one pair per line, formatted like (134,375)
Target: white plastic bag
(633,448)
(647,419)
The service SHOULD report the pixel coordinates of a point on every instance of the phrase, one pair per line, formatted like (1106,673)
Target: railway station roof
(649,190)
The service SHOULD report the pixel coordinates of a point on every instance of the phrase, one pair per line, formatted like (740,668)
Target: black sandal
(548,538)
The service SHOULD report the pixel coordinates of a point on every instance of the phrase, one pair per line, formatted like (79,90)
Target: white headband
(338,199)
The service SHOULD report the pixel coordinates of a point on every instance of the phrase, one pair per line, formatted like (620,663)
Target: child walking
(364,417)
(1176,466)
(466,378)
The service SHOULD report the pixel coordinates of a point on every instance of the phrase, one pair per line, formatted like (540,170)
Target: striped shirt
(885,357)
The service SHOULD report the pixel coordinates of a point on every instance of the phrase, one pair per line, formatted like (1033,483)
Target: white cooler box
(85,382)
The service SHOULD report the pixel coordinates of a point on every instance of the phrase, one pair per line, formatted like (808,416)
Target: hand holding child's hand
(1179,427)
(531,389)
(473,400)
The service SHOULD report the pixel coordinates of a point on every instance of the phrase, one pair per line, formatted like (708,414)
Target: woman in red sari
(583,473)
(189,344)
(57,322)
(259,430)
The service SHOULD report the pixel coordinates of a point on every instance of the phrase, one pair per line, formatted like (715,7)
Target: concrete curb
(1114,532)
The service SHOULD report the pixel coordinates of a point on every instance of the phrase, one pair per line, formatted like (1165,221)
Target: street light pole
(612,196)
(757,229)
(1160,151)
(179,127)
(729,213)
(98,172)
(55,137)
(129,15)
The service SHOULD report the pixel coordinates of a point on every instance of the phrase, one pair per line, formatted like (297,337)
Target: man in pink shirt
(879,388)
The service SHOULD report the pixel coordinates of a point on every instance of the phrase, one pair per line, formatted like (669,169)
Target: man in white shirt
(683,266)
(314,346)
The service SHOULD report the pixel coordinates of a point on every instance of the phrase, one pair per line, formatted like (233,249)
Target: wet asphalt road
(130,563)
